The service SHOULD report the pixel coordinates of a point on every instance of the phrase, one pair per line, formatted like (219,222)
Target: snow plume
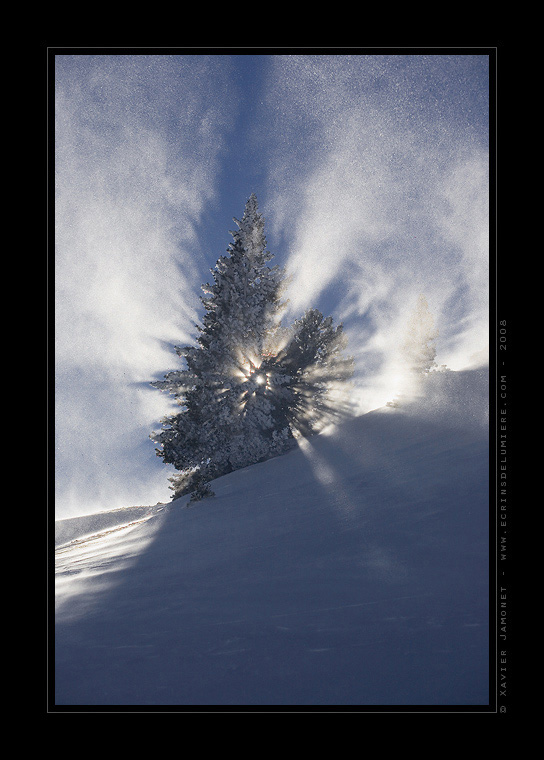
(380,194)
(128,201)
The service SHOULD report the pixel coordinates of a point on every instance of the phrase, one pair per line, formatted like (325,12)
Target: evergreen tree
(242,398)
(304,372)
(419,349)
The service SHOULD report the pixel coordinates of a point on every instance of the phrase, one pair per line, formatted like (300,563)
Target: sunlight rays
(324,473)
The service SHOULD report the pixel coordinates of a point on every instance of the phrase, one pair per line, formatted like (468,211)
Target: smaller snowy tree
(419,349)
(305,373)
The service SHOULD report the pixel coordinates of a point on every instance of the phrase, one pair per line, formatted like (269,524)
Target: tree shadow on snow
(351,571)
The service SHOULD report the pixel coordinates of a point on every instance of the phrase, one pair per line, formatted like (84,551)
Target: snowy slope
(351,571)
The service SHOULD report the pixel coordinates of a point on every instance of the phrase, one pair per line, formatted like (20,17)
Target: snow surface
(351,571)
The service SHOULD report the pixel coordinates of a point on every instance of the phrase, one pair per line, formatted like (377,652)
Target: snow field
(350,571)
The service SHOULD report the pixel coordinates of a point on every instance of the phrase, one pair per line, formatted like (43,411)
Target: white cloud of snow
(128,198)
(379,199)
(373,178)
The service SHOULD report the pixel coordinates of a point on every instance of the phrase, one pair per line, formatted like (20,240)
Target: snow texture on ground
(351,571)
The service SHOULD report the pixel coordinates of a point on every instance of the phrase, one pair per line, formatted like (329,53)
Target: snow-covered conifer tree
(306,371)
(243,399)
(419,349)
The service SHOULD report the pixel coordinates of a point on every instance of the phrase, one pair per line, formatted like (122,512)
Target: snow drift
(351,571)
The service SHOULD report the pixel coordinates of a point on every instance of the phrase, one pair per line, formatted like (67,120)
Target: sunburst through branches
(251,386)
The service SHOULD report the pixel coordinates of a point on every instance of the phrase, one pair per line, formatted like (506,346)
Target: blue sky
(372,172)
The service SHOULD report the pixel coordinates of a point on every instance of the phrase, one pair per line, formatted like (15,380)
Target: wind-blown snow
(352,571)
